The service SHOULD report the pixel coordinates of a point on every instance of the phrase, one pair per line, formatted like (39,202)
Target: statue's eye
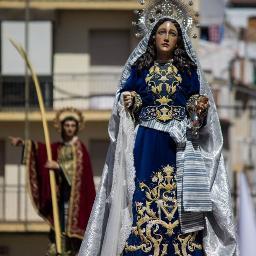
(162,32)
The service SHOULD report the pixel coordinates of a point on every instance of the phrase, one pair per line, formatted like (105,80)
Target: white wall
(238,17)
(72,56)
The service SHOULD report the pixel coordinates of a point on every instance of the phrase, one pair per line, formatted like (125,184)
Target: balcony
(16,211)
(91,91)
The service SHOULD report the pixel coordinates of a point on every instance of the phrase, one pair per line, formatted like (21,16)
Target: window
(12,92)
(254,73)
(225,132)
(204,33)
(40,47)
(12,82)
(252,23)
(251,32)
(109,47)
(212,33)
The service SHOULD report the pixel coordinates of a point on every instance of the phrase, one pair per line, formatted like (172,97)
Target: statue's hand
(202,105)
(16,141)
(52,165)
(128,99)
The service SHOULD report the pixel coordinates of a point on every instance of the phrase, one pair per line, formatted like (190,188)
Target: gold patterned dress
(163,91)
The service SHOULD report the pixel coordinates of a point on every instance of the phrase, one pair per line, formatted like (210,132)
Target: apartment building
(227,53)
(78,48)
(242,16)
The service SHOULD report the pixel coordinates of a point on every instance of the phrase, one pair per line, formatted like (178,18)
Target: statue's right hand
(16,141)
(128,99)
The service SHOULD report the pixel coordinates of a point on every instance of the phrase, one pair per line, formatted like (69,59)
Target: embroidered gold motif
(186,242)
(66,160)
(163,81)
(163,78)
(164,100)
(73,228)
(164,114)
(155,218)
(156,89)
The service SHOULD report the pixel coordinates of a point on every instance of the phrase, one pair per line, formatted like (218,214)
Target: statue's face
(69,128)
(166,38)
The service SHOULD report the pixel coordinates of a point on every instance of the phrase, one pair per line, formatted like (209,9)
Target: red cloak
(82,189)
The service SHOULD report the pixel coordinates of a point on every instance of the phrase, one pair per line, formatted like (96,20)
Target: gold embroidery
(156,89)
(31,148)
(31,173)
(164,114)
(186,242)
(73,163)
(155,218)
(66,160)
(73,229)
(163,100)
(163,82)
(162,78)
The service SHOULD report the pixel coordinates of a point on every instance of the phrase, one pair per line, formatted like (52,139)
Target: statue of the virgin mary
(164,188)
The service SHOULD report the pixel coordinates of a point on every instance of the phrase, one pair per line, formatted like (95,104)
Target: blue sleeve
(194,83)
(130,84)
(136,82)
(190,83)
(141,88)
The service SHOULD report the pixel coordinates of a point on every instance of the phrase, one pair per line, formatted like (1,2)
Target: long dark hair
(180,57)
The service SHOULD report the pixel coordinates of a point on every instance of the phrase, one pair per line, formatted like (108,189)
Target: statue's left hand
(202,104)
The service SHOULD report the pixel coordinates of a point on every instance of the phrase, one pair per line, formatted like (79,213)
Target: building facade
(78,49)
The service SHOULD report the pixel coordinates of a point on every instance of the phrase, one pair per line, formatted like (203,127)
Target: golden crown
(153,10)
(64,113)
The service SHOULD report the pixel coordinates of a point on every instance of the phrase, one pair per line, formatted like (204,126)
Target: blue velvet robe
(156,229)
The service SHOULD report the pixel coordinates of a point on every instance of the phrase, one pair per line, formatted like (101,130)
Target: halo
(154,10)
(64,113)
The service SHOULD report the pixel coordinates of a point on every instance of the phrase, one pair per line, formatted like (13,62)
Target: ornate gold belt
(163,113)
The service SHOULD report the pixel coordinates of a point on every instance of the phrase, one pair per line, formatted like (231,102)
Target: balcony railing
(16,210)
(12,92)
(15,204)
(84,91)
